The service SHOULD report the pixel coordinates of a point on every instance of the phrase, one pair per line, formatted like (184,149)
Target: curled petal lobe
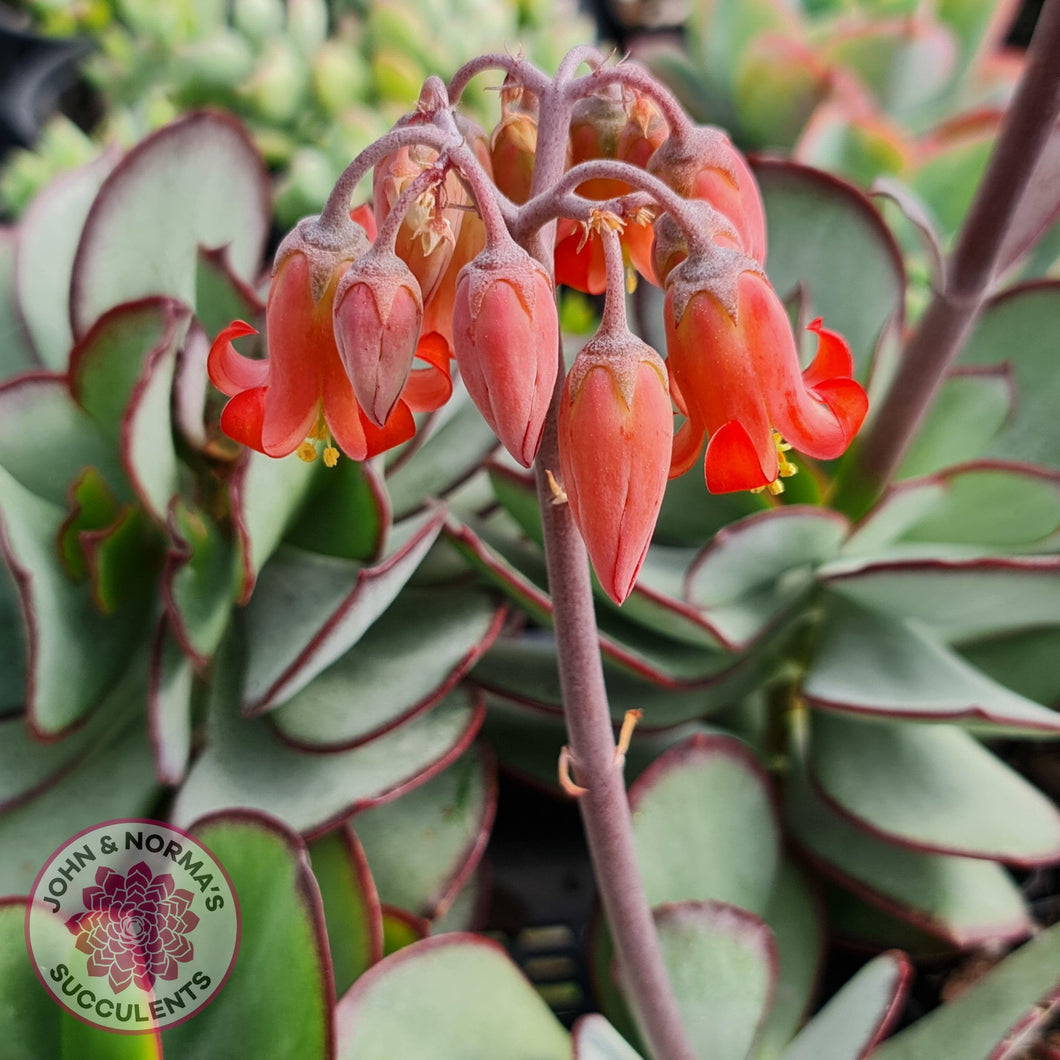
(732,461)
(242,417)
(228,369)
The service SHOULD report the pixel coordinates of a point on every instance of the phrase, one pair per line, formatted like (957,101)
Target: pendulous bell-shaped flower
(506,342)
(615,436)
(300,395)
(735,375)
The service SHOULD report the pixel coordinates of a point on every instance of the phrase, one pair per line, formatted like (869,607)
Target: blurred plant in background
(314,81)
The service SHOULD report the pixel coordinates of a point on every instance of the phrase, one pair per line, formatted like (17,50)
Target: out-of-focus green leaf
(933,787)
(691,516)
(1024,660)
(47,241)
(828,237)
(352,912)
(704,825)
(412,654)
(65,631)
(93,791)
(246,764)
(33,1025)
(16,349)
(196,183)
(963,900)
(423,846)
(309,610)
(46,441)
(969,411)
(271,1017)
(220,295)
(594,1038)
(1015,329)
(957,599)
(722,964)
(998,1008)
(858,1015)
(948,179)
(345,514)
(871,664)
(795,918)
(454,997)
(169,705)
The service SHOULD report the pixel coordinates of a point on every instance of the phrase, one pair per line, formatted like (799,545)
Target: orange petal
(429,388)
(732,461)
(228,369)
(241,418)
(833,360)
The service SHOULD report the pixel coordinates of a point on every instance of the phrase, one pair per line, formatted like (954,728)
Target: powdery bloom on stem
(506,341)
(615,437)
(734,373)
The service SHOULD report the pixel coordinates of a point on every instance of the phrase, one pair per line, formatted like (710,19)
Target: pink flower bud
(615,437)
(377,316)
(506,341)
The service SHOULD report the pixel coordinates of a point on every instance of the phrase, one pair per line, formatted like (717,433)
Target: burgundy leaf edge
(188,124)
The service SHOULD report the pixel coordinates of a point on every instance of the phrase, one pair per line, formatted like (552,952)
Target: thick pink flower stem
(595,765)
(945,325)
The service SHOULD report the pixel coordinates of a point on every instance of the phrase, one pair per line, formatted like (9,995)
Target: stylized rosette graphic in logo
(135,927)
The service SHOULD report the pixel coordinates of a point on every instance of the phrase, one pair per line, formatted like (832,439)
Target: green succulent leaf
(594,1038)
(352,912)
(266,496)
(1014,329)
(169,705)
(826,236)
(47,441)
(947,180)
(246,764)
(33,1025)
(858,1016)
(992,1015)
(957,599)
(309,610)
(964,901)
(82,796)
(993,505)
(220,295)
(868,663)
(196,183)
(65,631)
(453,997)
(795,917)
(282,927)
(1023,660)
(446,450)
(690,516)
(933,787)
(970,410)
(705,826)
(722,964)
(423,846)
(16,348)
(200,580)
(757,568)
(47,242)
(415,652)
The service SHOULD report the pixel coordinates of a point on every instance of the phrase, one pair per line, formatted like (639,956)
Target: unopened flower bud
(378,311)
(512,152)
(615,438)
(506,341)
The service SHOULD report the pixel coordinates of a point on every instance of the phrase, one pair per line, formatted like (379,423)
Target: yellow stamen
(331,456)
(307,452)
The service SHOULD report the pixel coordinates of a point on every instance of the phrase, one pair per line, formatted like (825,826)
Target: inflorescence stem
(948,320)
(592,749)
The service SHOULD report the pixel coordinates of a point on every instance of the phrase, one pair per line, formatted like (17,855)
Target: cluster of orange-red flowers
(367,310)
